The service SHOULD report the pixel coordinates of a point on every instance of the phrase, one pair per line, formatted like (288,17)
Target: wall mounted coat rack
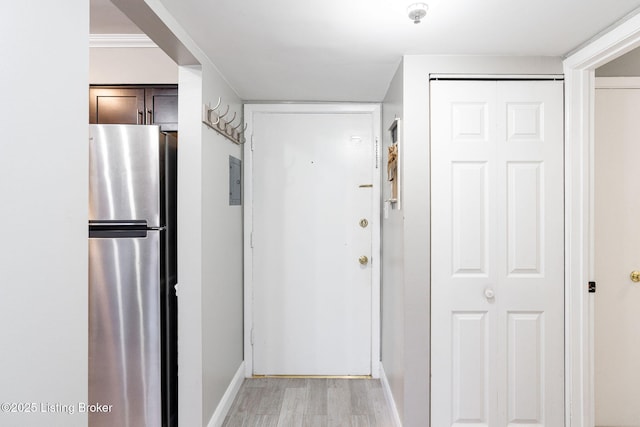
(218,121)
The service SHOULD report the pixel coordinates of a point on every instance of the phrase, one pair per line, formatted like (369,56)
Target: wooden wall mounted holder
(217,120)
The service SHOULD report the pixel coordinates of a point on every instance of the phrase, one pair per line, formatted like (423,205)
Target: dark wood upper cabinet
(111,105)
(162,107)
(135,105)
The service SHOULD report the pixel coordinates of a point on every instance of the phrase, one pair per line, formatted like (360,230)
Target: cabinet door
(162,108)
(116,105)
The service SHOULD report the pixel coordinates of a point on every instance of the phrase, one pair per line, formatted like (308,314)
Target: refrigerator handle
(119,229)
(117,234)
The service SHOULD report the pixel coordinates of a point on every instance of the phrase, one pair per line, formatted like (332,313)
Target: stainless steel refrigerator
(132,276)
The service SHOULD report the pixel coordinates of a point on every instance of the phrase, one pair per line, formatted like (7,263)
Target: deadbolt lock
(363,260)
(364,223)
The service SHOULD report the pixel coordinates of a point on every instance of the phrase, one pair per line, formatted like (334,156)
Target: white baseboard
(395,416)
(227,399)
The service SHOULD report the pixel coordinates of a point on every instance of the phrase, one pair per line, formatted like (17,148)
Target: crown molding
(120,40)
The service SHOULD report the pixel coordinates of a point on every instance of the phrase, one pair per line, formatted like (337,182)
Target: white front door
(497,248)
(314,187)
(617,254)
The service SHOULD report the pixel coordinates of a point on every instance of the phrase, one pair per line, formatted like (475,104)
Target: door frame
(291,108)
(579,69)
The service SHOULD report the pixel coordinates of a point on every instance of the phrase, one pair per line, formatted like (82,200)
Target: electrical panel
(235,181)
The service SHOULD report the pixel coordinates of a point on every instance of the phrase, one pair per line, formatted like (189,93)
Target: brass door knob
(363,260)
(635,276)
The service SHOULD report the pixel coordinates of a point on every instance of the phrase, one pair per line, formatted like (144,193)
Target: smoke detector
(417,11)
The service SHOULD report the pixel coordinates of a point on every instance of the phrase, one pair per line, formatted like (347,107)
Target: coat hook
(239,124)
(225,113)
(222,124)
(213,110)
(225,127)
(241,138)
(228,127)
(217,105)
(206,113)
(210,110)
(217,119)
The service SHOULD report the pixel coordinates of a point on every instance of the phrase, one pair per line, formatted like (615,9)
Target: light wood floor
(301,402)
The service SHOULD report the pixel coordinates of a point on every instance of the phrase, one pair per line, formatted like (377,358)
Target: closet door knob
(489,293)
(635,276)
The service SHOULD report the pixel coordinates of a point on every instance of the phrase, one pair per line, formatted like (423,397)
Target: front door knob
(363,260)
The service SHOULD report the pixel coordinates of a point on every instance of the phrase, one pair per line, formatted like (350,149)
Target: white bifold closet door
(497,270)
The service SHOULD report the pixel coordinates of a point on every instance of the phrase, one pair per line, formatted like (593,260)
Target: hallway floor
(306,402)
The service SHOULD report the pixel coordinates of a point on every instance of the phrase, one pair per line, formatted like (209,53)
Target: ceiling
(348,50)
(105,18)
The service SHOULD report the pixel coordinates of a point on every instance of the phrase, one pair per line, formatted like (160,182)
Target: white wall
(209,242)
(628,65)
(392,328)
(43,188)
(131,65)
(209,254)
(416,206)
(222,268)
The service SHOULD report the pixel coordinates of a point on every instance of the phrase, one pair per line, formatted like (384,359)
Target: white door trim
(249,110)
(579,116)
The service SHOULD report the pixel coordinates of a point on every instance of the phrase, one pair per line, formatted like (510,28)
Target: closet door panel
(497,275)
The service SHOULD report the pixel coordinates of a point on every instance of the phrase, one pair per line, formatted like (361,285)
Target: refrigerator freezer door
(124,177)
(124,331)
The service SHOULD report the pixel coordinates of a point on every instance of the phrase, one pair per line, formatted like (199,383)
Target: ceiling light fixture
(417,11)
